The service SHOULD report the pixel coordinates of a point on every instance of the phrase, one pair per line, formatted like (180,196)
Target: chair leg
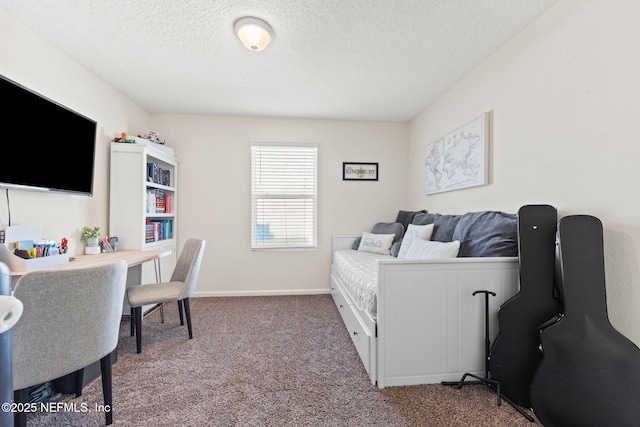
(180,312)
(79,381)
(20,396)
(133,324)
(138,316)
(187,313)
(107,387)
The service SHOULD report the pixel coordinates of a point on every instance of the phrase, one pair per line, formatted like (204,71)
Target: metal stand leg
(156,263)
(158,279)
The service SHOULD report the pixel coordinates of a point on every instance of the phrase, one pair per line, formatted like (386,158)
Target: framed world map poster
(459,159)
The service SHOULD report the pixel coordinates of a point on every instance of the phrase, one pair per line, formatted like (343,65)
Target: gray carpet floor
(264,361)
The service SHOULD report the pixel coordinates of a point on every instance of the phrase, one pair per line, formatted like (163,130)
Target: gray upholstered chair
(179,288)
(71,319)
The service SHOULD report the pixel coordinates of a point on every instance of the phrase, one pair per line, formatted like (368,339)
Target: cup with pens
(109,244)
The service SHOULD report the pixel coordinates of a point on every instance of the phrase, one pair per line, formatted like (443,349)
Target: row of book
(158,201)
(158,175)
(158,229)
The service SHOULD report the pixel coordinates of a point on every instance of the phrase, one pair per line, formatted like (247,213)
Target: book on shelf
(168,199)
(151,201)
(152,171)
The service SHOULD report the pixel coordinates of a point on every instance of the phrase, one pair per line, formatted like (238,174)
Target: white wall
(34,63)
(564,96)
(214,200)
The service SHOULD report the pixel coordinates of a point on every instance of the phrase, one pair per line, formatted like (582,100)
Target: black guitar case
(515,353)
(589,374)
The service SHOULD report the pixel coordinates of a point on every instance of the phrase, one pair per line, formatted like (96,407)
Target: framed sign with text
(352,171)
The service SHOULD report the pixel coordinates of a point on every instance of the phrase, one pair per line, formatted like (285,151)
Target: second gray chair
(179,288)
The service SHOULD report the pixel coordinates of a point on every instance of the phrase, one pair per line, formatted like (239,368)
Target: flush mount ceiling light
(254,33)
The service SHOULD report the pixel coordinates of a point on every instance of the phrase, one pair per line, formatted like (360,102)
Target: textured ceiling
(382,60)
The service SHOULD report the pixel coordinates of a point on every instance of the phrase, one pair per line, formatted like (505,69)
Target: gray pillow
(385,228)
(389,228)
(405,217)
(423,218)
(487,234)
(395,249)
(444,226)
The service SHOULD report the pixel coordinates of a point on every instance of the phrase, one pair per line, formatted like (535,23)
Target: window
(283,196)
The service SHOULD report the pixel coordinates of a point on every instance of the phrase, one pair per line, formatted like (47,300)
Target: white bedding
(357,271)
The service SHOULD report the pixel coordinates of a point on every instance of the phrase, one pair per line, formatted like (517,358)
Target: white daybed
(421,324)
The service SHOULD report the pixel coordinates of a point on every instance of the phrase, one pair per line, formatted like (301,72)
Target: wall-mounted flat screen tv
(47,146)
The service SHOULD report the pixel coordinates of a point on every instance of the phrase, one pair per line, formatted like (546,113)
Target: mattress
(358,273)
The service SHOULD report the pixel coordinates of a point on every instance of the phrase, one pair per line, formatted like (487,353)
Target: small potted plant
(91,235)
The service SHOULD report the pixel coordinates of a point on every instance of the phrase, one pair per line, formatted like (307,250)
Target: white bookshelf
(130,209)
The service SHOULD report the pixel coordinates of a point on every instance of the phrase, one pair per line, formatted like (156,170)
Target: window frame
(309,231)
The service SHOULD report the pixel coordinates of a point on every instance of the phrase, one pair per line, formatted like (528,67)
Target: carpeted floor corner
(265,361)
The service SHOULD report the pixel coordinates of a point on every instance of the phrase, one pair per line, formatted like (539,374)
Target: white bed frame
(429,327)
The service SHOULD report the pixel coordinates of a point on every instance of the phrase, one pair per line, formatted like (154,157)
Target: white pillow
(414,232)
(427,249)
(376,243)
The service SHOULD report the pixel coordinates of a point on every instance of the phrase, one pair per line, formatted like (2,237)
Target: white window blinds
(284,196)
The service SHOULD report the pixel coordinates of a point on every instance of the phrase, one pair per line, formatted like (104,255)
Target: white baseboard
(197,294)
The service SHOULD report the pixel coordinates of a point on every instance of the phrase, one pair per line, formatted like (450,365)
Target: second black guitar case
(589,374)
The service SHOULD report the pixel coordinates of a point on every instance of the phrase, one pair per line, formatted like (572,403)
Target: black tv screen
(48,147)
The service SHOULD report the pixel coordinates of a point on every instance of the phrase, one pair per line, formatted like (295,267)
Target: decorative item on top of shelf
(153,136)
(124,138)
(151,139)
(92,237)
(149,136)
